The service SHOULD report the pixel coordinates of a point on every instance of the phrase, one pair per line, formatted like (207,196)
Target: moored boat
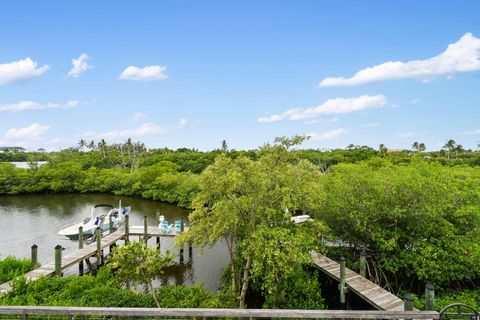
(96,220)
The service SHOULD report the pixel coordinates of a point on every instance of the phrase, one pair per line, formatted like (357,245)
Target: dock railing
(32,312)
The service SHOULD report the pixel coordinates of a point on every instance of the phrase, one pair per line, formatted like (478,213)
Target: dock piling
(98,236)
(126,229)
(363,263)
(34,256)
(58,260)
(80,246)
(145,230)
(342,286)
(408,302)
(429,297)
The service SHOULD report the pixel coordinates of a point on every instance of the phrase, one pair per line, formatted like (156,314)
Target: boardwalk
(87,252)
(378,297)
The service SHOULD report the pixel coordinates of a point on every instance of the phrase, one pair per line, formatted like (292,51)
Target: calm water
(35,219)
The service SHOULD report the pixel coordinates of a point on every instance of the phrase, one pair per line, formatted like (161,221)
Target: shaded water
(35,219)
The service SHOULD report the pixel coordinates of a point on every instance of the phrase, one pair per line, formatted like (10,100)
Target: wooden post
(363,263)
(182,222)
(110,231)
(429,297)
(408,306)
(80,246)
(145,230)
(126,229)
(341,286)
(181,248)
(34,256)
(190,250)
(157,217)
(158,243)
(99,246)
(58,260)
(110,224)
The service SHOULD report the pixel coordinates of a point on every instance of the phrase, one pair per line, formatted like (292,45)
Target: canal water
(35,219)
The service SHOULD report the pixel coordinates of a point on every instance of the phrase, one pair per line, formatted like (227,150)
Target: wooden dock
(378,297)
(89,251)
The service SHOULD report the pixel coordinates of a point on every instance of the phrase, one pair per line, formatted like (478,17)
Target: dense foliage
(11,267)
(415,213)
(103,290)
(249,203)
(416,222)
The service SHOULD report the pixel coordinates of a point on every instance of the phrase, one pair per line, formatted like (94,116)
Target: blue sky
(192,73)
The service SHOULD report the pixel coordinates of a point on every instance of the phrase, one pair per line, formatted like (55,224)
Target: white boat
(300,219)
(96,220)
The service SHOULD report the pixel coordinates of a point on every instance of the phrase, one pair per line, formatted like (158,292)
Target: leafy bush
(11,267)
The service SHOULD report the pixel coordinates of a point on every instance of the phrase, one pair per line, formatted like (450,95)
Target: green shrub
(11,267)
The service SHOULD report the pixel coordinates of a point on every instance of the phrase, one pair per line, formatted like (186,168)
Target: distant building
(41,150)
(12,149)
(396,150)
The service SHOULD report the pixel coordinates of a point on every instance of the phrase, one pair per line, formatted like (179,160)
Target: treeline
(415,214)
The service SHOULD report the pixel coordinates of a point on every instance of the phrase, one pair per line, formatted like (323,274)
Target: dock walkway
(88,251)
(378,297)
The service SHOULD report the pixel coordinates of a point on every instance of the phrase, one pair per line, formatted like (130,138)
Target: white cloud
(139,116)
(20,70)
(32,131)
(182,123)
(406,134)
(145,129)
(150,73)
(461,56)
(414,101)
(331,106)
(80,65)
(471,133)
(30,105)
(329,135)
(371,125)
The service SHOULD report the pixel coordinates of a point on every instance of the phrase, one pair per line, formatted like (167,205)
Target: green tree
(239,197)
(136,263)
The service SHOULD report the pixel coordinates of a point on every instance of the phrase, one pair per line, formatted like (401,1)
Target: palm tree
(224,146)
(415,146)
(102,147)
(450,146)
(422,147)
(382,150)
(458,148)
(81,144)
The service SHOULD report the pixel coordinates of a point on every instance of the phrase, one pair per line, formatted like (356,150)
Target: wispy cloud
(150,73)
(470,133)
(329,135)
(371,125)
(406,134)
(30,105)
(80,65)
(32,131)
(145,129)
(20,70)
(331,106)
(182,123)
(459,57)
(139,116)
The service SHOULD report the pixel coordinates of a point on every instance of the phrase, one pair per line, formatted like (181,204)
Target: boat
(300,219)
(97,219)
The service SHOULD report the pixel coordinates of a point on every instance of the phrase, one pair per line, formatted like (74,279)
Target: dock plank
(376,296)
